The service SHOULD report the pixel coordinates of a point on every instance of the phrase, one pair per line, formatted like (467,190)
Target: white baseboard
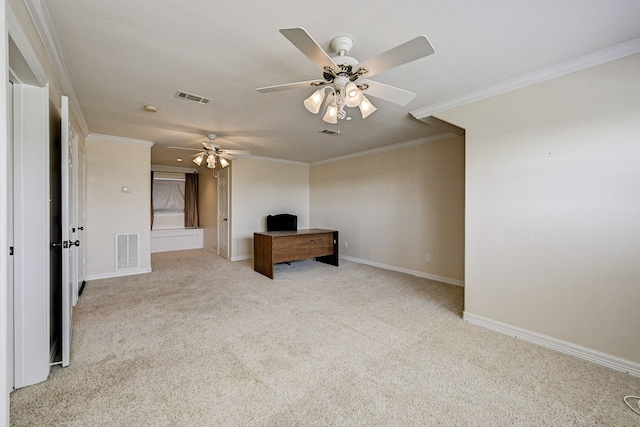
(121,273)
(405,270)
(580,352)
(241,258)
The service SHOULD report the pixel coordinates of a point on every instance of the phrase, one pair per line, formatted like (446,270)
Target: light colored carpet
(202,341)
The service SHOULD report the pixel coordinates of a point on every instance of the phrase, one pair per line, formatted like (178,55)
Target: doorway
(223,213)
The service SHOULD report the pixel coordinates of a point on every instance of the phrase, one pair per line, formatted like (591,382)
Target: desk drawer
(293,248)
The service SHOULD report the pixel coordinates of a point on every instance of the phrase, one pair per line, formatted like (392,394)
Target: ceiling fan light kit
(342,74)
(214,156)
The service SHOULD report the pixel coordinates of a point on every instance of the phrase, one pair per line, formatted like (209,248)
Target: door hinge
(10,250)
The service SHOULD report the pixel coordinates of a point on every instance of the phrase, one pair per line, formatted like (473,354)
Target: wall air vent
(127,251)
(192,97)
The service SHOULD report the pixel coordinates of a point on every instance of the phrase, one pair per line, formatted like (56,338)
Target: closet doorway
(223,213)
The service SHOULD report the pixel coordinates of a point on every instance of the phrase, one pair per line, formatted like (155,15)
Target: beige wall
(110,166)
(553,207)
(208,207)
(393,208)
(260,188)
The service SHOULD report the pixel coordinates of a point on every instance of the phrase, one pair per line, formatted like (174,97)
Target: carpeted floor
(202,341)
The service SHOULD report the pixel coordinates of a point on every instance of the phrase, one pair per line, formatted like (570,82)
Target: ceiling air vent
(192,97)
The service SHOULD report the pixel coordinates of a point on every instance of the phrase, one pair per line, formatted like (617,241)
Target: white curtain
(168,195)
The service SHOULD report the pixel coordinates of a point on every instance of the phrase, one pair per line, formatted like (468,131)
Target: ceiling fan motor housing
(341,45)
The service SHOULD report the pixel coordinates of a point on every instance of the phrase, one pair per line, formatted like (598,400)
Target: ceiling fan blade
(185,148)
(388,93)
(307,45)
(226,156)
(307,84)
(235,152)
(402,54)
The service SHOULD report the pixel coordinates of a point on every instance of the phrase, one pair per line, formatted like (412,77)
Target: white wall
(553,208)
(113,163)
(395,207)
(260,188)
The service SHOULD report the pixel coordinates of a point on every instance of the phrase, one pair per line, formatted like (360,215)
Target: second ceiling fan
(213,154)
(346,78)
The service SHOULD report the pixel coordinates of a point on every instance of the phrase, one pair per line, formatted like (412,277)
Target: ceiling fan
(213,155)
(346,78)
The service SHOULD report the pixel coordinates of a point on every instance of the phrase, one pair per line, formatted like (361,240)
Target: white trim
(22,42)
(120,139)
(594,356)
(180,239)
(576,64)
(40,17)
(163,168)
(391,147)
(240,258)
(422,274)
(120,273)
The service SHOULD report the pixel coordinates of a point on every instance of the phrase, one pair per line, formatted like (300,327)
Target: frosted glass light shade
(366,107)
(314,102)
(331,116)
(211,162)
(223,162)
(198,159)
(352,95)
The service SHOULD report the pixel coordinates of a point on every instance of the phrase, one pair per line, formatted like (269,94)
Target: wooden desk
(272,247)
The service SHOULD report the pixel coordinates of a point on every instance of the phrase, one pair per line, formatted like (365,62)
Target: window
(168,200)
(168,193)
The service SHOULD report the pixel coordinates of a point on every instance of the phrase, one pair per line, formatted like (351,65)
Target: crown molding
(120,140)
(42,21)
(602,56)
(411,143)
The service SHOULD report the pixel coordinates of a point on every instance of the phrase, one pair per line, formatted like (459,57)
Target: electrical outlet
(427,258)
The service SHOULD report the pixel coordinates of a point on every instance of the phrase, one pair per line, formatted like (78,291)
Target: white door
(81,214)
(67,245)
(8,186)
(223,213)
(73,213)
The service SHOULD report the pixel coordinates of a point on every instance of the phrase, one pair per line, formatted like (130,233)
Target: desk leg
(331,259)
(262,255)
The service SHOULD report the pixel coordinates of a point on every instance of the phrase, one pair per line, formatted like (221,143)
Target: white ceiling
(121,55)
